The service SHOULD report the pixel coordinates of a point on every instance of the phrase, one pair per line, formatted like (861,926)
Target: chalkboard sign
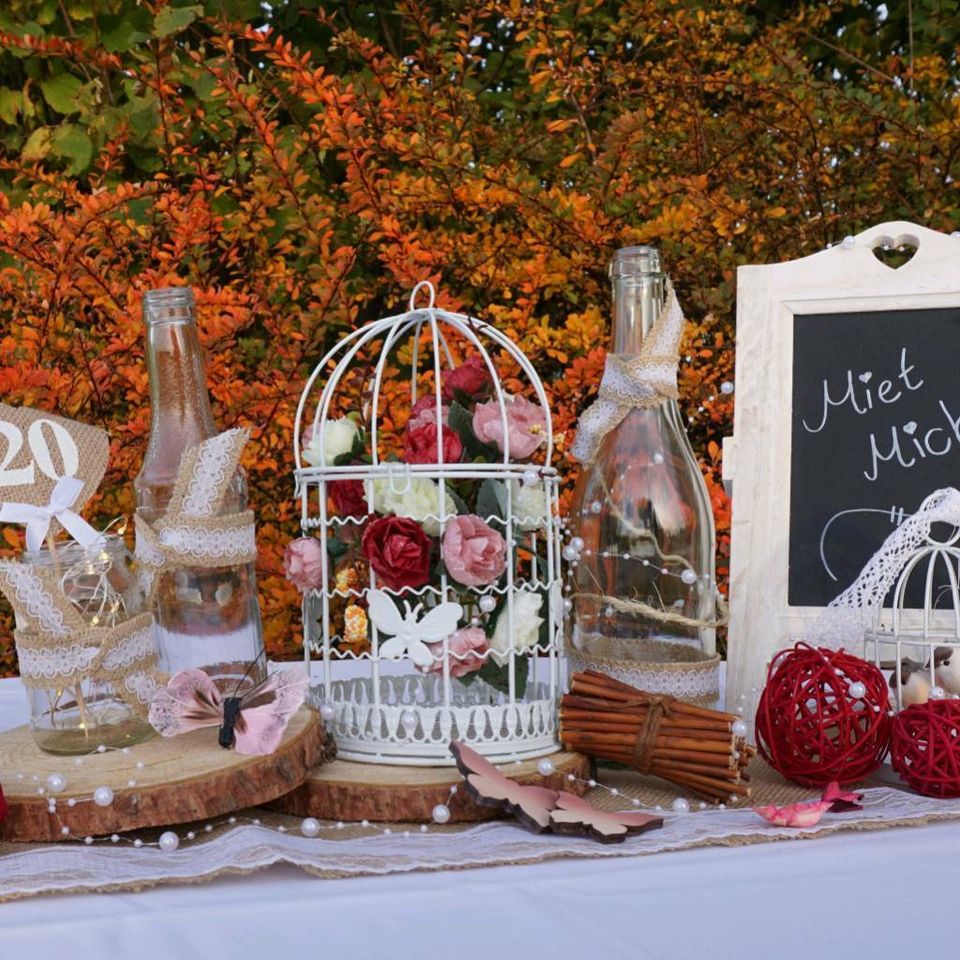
(875,428)
(846,416)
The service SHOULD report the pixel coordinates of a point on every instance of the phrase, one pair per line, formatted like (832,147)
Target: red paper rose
(398,551)
(471,378)
(420,444)
(349,498)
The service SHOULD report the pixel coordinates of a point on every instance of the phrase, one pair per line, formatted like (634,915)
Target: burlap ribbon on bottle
(57,648)
(631,382)
(195,531)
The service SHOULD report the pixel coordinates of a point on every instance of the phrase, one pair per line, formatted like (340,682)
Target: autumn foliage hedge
(302,166)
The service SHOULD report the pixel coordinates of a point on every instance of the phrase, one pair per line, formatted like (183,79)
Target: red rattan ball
(925,748)
(811,728)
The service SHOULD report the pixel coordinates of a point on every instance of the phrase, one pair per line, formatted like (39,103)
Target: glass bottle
(100,582)
(207,617)
(642,508)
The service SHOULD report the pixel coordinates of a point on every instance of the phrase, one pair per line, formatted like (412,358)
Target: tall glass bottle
(642,509)
(206,617)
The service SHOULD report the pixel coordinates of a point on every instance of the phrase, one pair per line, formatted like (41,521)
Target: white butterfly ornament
(410,635)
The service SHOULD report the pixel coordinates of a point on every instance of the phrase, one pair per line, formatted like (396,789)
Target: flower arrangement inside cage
(917,637)
(430,559)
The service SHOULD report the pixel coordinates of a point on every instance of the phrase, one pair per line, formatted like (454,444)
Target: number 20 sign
(38,448)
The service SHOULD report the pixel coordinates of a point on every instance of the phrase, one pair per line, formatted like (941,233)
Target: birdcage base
(407,723)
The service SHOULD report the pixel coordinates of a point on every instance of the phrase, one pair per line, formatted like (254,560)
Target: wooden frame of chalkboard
(846,416)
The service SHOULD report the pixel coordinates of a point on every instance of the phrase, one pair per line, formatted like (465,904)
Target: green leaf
(499,677)
(171,20)
(336,547)
(492,501)
(458,501)
(11,103)
(37,146)
(71,142)
(61,92)
(123,31)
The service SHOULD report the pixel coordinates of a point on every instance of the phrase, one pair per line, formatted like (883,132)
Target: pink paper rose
(526,425)
(303,563)
(475,554)
(425,411)
(465,650)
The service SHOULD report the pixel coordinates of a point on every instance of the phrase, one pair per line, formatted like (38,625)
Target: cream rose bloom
(530,506)
(338,439)
(415,497)
(526,626)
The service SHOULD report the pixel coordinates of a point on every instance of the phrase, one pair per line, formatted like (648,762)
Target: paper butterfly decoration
(410,635)
(541,809)
(810,813)
(253,722)
(576,815)
(488,786)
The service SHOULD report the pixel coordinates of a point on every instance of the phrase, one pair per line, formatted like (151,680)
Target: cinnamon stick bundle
(692,747)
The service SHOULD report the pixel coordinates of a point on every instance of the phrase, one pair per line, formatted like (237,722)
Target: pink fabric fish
(252,723)
(810,813)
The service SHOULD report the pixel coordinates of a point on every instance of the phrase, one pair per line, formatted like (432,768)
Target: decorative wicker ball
(823,716)
(925,747)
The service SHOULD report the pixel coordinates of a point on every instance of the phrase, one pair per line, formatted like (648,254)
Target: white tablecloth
(883,894)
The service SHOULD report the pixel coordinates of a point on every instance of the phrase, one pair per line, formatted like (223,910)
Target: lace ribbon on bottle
(193,533)
(851,614)
(56,647)
(630,382)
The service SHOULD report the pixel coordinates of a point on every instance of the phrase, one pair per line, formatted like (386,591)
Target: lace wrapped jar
(431,555)
(78,717)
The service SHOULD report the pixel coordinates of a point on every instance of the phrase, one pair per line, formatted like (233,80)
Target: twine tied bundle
(692,747)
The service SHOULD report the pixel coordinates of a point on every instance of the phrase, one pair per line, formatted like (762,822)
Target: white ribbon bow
(37,519)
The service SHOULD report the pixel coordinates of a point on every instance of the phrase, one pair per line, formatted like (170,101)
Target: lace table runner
(31,869)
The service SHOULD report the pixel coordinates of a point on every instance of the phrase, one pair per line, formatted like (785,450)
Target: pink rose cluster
(526,426)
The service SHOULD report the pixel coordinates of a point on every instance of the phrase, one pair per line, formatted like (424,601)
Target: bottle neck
(179,401)
(637,301)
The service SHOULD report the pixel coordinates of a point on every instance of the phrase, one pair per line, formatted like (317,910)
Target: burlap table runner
(31,869)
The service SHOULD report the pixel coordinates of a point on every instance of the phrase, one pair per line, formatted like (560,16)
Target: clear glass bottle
(642,508)
(101,584)
(207,617)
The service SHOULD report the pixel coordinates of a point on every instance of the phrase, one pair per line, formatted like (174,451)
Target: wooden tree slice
(344,790)
(181,780)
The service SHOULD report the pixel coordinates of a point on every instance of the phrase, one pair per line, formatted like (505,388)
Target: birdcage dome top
(426,347)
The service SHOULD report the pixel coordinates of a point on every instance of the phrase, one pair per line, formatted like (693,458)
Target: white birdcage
(920,646)
(399,701)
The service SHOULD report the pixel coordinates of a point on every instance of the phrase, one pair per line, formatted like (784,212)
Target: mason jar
(100,582)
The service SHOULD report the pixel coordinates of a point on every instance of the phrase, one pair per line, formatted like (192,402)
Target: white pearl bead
(88,840)
(487,603)
(101,749)
(937,693)
(327,711)
(65,831)
(545,767)
(56,783)
(726,387)
(577,543)
(658,458)
(408,720)
(689,577)
(169,841)
(138,843)
(114,837)
(596,506)
(680,805)
(103,796)
(310,827)
(567,605)
(848,243)
(857,690)
(440,813)
(474,621)
(569,553)
(530,477)
(738,728)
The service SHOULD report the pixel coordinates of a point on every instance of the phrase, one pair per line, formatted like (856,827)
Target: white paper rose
(530,506)
(415,497)
(338,439)
(526,626)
